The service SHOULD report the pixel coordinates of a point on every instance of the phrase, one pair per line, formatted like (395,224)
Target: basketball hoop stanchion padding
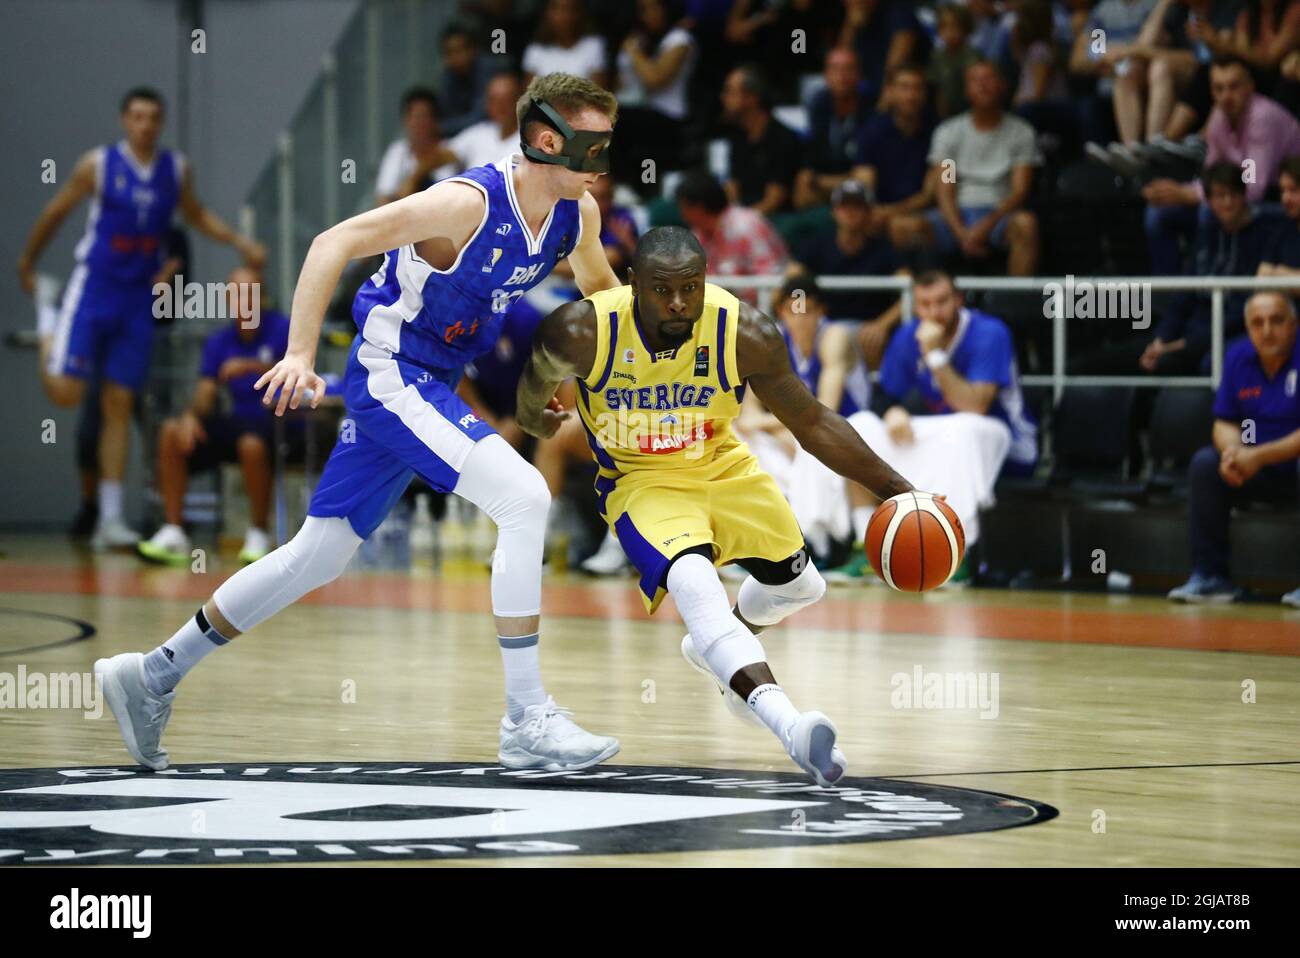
(915,542)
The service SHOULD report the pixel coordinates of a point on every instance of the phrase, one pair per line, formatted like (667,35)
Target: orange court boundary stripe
(874,613)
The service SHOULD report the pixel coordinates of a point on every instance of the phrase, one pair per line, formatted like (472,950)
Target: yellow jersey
(670,410)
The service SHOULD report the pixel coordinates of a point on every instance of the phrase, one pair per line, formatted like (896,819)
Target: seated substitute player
(204,436)
(662,366)
(458,254)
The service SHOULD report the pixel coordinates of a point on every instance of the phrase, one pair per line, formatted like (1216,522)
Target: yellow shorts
(658,514)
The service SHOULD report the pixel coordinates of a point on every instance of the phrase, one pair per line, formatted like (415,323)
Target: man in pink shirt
(737,240)
(1245,129)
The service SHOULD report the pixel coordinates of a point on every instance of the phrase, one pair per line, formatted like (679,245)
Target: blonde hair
(568,94)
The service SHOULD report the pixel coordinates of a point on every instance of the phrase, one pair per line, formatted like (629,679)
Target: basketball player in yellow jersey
(662,366)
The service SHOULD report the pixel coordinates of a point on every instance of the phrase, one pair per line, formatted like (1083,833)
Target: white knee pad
(316,555)
(765,605)
(514,495)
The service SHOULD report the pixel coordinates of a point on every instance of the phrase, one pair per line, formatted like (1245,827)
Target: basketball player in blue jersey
(458,254)
(662,366)
(105,324)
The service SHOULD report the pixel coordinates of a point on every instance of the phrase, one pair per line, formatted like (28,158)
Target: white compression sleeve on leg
(513,493)
(719,636)
(765,605)
(316,555)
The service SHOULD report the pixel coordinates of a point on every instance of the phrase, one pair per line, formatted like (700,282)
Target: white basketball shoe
(141,715)
(811,743)
(735,704)
(547,738)
(113,534)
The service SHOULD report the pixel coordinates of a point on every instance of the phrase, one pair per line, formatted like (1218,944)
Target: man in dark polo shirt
(837,115)
(765,153)
(857,245)
(1282,253)
(895,149)
(1256,444)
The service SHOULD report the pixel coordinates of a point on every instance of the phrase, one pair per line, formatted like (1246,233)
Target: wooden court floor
(1125,711)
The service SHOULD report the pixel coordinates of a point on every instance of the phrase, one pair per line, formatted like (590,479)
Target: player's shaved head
(666,244)
(667,278)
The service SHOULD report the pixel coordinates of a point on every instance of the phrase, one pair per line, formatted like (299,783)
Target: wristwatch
(936,358)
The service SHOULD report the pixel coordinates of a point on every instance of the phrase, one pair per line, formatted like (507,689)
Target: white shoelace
(545,713)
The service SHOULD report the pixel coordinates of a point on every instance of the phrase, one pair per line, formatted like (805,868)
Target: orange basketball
(915,542)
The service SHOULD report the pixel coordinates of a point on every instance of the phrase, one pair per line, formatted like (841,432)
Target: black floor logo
(330,812)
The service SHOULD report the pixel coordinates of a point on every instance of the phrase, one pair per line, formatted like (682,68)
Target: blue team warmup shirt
(418,328)
(1245,392)
(982,352)
(268,346)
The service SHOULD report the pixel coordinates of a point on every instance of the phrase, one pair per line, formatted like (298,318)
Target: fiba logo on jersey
(702,361)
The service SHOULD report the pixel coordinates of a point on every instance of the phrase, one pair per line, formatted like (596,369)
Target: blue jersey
(982,352)
(131,213)
(1246,392)
(857,384)
(441,320)
(268,345)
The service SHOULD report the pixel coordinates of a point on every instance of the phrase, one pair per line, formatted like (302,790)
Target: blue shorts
(403,420)
(104,328)
(946,243)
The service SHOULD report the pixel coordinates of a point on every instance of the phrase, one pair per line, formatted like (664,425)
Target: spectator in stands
(985,163)
(824,357)
(761,31)
(1256,444)
(654,72)
(837,116)
(990,30)
(895,149)
(498,135)
(618,230)
(764,152)
(857,245)
(204,436)
(958,367)
(1042,96)
(885,33)
(737,240)
(414,161)
(566,42)
(1162,92)
(464,79)
(1231,243)
(1102,50)
(1265,32)
(491,379)
(1282,252)
(1246,130)
(948,62)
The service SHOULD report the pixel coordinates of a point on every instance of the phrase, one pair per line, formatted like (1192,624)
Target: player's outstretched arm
(443,216)
(213,226)
(764,362)
(591,270)
(80,185)
(563,346)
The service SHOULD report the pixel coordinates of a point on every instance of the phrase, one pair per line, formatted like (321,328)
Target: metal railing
(1058,379)
(346,117)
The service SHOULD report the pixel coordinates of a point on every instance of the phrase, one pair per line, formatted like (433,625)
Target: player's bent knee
(767,604)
